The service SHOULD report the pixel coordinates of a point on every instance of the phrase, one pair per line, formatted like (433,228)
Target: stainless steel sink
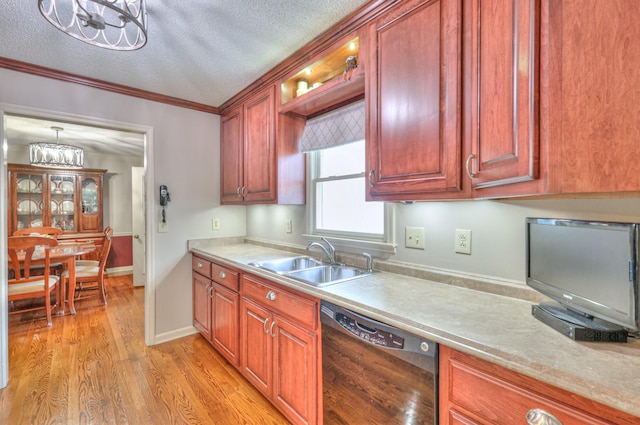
(285,265)
(328,274)
(311,271)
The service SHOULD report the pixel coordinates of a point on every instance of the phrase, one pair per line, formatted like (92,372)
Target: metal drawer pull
(264,325)
(371,178)
(271,296)
(541,417)
(222,275)
(273,324)
(469,173)
(199,265)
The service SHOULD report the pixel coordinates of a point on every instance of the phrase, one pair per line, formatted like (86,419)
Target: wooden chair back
(28,244)
(29,231)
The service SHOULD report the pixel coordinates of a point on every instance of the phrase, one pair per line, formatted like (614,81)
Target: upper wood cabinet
(260,158)
(70,200)
(552,103)
(414,144)
(502,39)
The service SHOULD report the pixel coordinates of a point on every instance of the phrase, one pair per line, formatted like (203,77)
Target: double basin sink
(311,271)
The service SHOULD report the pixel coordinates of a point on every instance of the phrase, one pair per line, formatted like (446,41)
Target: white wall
(497,227)
(185,153)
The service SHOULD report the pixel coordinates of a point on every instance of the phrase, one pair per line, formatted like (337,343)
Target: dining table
(66,253)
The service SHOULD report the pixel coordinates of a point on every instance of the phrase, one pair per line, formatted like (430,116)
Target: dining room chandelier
(112,24)
(44,154)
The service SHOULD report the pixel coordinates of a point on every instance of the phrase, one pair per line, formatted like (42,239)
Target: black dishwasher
(374,373)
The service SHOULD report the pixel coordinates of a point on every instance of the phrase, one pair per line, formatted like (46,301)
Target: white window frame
(353,242)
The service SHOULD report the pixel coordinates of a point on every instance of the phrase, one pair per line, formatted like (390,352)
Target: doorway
(102,140)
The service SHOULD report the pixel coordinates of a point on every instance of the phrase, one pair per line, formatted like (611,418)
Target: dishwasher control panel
(369,334)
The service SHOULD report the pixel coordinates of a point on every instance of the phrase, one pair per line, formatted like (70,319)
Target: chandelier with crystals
(44,154)
(112,24)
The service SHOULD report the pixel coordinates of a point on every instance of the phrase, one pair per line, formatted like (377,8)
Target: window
(337,195)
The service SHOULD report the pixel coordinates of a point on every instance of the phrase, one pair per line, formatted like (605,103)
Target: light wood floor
(94,368)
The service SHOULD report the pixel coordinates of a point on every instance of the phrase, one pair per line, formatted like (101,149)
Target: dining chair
(108,232)
(91,273)
(23,285)
(42,231)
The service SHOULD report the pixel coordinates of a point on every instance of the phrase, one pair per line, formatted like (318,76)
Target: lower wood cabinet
(473,391)
(280,347)
(216,307)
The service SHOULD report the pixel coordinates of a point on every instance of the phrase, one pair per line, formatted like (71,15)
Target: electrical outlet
(463,241)
(288,226)
(215,224)
(163,227)
(414,237)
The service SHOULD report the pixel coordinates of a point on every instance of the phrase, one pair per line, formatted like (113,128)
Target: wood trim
(42,71)
(302,56)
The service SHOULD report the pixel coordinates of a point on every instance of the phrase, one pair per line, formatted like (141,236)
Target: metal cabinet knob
(199,265)
(541,417)
(271,296)
(222,275)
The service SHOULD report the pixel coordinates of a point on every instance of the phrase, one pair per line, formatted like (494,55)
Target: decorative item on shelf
(111,24)
(303,87)
(351,64)
(45,154)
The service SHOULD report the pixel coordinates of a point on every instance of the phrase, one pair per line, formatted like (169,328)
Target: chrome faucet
(329,250)
(369,259)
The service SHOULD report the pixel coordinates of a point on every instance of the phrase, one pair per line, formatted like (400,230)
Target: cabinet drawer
(224,276)
(296,308)
(201,266)
(491,395)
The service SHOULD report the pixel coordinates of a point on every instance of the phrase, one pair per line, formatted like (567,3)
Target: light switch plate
(414,237)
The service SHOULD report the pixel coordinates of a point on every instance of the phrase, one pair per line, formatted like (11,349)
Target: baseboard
(119,271)
(178,333)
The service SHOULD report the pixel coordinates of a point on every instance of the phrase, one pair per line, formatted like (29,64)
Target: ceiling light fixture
(112,24)
(45,154)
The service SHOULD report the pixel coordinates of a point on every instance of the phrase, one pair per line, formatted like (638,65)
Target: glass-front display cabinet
(70,200)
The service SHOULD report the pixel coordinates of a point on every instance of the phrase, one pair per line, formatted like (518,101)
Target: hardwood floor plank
(94,368)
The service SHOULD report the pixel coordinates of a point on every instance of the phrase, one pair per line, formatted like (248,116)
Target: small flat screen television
(589,267)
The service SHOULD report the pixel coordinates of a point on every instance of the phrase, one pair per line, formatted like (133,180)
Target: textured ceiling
(203,51)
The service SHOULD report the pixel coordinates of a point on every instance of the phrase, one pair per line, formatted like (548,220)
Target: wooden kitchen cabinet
(572,123)
(260,158)
(413,94)
(474,391)
(502,87)
(216,307)
(280,347)
(70,200)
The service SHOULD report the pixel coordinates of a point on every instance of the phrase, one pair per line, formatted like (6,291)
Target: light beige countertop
(496,328)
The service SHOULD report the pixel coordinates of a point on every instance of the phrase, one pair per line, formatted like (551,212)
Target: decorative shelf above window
(332,79)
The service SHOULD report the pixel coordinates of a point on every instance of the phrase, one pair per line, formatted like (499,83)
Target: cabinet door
(224,322)
(260,148)
(63,202)
(90,213)
(502,82)
(294,376)
(231,157)
(256,359)
(413,97)
(27,203)
(202,305)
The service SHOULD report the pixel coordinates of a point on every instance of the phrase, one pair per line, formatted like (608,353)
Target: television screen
(589,267)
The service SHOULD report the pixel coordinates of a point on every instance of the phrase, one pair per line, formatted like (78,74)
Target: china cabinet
(70,200)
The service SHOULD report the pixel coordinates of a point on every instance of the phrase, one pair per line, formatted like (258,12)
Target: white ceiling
(203,51)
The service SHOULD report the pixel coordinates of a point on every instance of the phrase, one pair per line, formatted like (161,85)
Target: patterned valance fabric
(338,127)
